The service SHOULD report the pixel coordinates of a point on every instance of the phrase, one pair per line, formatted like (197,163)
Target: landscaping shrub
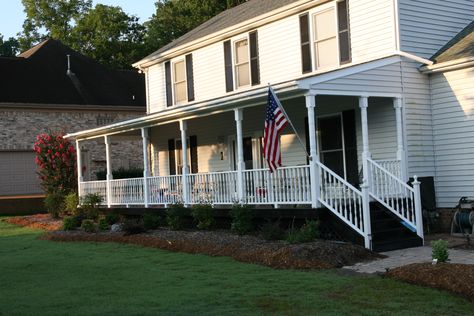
(440,250)
(151,221)
(203,215)
(88,226)
(103,225)
(90,205)
(112,218)
(56,161)
(133,226)
(308,232)
(71,202)
(271,230)
(54,203)
(242,218)
(121,173)
(176,215)
(70,223)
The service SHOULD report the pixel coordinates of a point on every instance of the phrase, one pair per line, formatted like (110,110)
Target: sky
(12,15)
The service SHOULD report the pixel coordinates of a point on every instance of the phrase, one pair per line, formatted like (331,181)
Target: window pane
(342,15)
(334,161)
(241,51)
(180,91)
(344,50)
(325,25)
(243,75)
(326,53)
(179,72)
(330,133)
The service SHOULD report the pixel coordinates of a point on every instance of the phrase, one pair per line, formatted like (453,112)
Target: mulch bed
(319,254)
(38,221)
(456,278)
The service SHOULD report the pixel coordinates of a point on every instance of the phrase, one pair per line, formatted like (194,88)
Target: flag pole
(289,121)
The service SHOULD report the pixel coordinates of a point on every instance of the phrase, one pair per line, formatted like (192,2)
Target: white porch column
(363,104)
(109,170)
(313,144)
(183,126)
(80,177)
(398,104)
(239,116)
(146,170)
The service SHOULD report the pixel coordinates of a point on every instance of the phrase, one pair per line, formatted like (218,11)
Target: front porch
(200,160)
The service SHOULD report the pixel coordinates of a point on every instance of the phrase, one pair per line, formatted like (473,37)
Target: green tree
(57,17)
(110,36)
(9,48)
(174,18)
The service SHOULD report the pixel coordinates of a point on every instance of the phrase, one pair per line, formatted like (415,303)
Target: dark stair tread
(388,245)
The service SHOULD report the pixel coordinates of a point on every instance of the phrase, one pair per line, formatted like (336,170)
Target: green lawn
(48,278)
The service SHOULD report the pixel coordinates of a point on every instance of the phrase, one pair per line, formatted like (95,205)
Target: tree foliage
(174,18)
(9,48)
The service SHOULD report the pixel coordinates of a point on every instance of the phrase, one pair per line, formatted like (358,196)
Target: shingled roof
(461,46)
(243,12)
(39,75)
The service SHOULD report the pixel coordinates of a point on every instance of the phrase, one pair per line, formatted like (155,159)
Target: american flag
(275,121)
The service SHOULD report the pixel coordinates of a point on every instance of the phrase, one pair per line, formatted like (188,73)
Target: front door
(252,152)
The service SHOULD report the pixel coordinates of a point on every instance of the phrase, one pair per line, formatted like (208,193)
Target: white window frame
(173,83)
(234,62)
(178,155)
(313,34)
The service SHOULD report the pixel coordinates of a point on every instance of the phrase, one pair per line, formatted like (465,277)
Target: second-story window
(242,69)
(325,39)
(241,61)
(179,82)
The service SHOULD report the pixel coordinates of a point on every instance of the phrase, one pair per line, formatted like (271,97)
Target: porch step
(388,232)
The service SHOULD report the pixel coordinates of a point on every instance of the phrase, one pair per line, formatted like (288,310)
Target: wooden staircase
(389,232)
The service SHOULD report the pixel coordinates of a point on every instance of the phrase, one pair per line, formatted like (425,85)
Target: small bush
(151,221)
(176,215)
(54,203)
(88,226)
(440,250)
(272,231)
(112,218)
(71,201)
(203,215)
(90,205)
(103,225)
(242,218)
(70,223)
(133,226)
(121,173)
(308,232)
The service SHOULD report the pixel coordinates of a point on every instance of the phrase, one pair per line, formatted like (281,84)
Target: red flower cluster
(56,159)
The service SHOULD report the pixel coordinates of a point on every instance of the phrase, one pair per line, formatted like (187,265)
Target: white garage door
(18,173)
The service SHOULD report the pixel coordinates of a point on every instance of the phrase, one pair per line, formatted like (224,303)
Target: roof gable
(461,46)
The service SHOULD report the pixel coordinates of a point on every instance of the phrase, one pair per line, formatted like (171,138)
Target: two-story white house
(353,77)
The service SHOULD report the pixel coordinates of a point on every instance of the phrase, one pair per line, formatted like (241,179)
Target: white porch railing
(165,190)
(288,185)
(94,187)
(392,166)
(213,188)
(401,199)
(127,192)
(343,199)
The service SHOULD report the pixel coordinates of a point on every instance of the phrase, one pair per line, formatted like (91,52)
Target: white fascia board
(449,65)
(275,15)
(244,99)
(308,82)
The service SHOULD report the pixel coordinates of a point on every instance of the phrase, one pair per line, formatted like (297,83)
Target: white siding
(426,25)
(156,88)
(453,120)
(418,121)
(372,28)
(209,76)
